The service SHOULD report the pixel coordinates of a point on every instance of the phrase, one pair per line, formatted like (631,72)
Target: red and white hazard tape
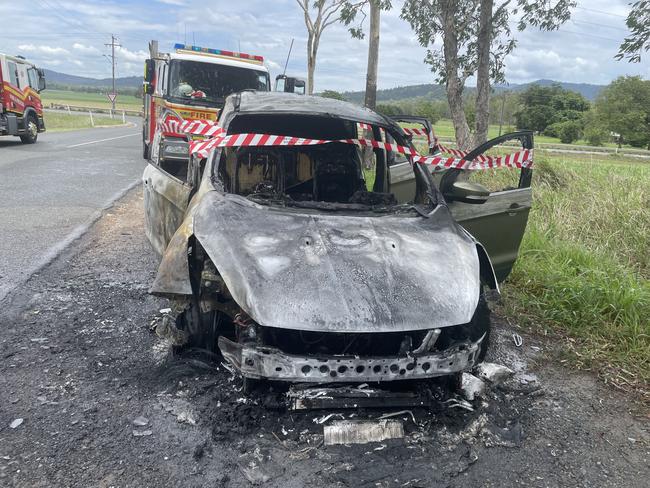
(521,159)
(216,138)
(196,127)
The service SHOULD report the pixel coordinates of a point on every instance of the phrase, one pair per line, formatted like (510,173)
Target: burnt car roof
(283,103)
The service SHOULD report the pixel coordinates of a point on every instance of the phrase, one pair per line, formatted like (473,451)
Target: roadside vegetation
(583,273)
(55,121)
(95,100)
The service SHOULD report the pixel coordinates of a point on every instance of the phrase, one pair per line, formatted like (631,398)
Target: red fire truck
(21,109)
(191,82)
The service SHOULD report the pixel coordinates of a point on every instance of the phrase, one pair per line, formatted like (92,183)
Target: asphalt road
(54,189)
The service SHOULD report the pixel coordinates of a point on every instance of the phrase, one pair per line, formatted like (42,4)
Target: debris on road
(142,433)
(16,423)
(472,387)
(140,421)
(517,339)
(492,372)
(362,432)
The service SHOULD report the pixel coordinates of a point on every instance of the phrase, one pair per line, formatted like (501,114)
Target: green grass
(583,272)
(95,100)
(61,122)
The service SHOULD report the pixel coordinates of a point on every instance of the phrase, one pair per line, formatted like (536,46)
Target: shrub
(568,131)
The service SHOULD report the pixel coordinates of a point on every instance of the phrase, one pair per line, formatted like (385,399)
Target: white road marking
(102,140)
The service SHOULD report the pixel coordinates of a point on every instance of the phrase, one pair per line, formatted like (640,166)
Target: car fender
(488,276)
(173,277)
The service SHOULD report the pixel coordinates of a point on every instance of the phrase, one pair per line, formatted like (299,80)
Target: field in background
(444,128)
(55,121)
(95,100)
(583,272)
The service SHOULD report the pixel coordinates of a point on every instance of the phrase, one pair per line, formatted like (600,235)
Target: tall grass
(583,271)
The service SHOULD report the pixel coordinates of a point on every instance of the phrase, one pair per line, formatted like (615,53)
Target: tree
(623,107)
(349,13)
(476,37)
(332,94)
(543,106)
(638,21)
(319,15)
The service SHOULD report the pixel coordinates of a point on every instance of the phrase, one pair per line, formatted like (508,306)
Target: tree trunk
(483,73)
(373,56)
(454,83)
(311,64)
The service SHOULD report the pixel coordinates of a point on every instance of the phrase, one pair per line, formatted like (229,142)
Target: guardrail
(97,110)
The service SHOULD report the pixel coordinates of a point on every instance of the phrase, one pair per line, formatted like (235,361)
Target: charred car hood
(340,273)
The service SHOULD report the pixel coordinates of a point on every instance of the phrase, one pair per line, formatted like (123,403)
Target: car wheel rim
(32,129)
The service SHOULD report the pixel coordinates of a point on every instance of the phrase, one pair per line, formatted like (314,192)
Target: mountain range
(430,91)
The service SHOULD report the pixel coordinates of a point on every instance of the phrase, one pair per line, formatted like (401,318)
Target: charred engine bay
(103,403)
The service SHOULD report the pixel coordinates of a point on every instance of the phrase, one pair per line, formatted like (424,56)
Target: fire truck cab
(191,82)
(21,109)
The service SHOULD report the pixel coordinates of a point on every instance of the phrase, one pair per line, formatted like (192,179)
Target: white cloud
(124,54)
(85,49)
(180,3)
(48,50)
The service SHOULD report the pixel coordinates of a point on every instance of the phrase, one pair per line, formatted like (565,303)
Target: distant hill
(437,92)
(54,77)
(429,91)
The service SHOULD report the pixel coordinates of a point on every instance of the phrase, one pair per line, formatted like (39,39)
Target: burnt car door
(499,222)
(497,219)
(167,188)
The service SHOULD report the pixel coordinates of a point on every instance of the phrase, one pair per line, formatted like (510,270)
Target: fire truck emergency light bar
(218,52)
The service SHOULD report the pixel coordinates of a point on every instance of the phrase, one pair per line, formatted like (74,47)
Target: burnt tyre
(31,130)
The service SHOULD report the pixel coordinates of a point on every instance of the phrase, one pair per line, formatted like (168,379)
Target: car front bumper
(261,362)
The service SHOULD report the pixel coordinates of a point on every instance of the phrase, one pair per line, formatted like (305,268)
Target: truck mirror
(149,67)
(41,80)
(280,83)
(299,87)
(147,88)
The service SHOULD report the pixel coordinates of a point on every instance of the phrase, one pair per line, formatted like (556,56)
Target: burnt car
(296,267)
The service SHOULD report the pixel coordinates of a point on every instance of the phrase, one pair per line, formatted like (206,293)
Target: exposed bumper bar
(257,362)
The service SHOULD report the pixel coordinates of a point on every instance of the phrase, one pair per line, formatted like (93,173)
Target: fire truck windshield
(209,84)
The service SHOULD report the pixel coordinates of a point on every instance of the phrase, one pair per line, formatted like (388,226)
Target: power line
(601,12)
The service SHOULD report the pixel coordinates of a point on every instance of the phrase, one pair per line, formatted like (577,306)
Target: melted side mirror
(467,192)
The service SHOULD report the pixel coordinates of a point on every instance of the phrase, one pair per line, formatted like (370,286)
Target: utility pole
(113,45)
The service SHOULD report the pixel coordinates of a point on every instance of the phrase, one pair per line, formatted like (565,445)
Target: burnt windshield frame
(427,191)
(210,86)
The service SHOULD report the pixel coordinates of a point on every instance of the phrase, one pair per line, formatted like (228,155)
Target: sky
(71,37)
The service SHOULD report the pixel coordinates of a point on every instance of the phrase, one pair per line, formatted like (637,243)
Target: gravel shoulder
(80,365)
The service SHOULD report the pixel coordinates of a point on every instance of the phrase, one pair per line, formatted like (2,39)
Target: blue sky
(69,36)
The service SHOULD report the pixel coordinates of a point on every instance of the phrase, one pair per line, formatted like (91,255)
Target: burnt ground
(79,364)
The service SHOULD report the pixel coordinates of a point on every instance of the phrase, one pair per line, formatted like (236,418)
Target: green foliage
(542,106)
(638,21)
(332,94)
(569,131)
(583,269)
(594,131)
(623,107)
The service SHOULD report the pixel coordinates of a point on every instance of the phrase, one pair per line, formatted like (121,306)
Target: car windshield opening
(194,82)
(332,176)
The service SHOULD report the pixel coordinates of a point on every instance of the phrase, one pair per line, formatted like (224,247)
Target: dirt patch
(80,365)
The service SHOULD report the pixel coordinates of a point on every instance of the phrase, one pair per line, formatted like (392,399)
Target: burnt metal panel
(296,269)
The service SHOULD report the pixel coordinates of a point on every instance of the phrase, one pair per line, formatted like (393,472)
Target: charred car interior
(299,266)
